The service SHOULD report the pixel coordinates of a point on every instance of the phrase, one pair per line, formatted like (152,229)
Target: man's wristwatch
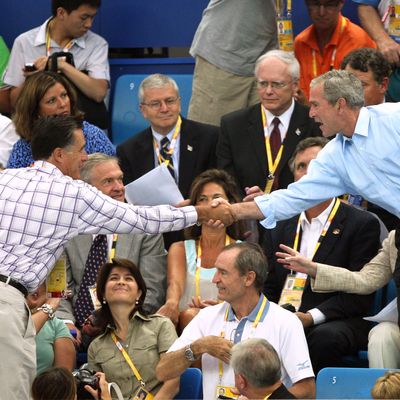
(47,309)
(189,355)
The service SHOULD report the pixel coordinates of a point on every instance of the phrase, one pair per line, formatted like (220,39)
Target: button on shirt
(41,209)
(367,164)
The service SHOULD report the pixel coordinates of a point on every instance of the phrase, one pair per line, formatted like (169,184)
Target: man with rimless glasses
(191,145)
(322,46)
(256,143)
(186,146)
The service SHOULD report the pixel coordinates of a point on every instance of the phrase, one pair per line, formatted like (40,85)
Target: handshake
(219,210)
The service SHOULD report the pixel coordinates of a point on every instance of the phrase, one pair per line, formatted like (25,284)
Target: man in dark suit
(192,151)
(332,321)
(251,139)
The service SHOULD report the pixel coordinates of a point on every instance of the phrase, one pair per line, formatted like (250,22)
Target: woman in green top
(132,342)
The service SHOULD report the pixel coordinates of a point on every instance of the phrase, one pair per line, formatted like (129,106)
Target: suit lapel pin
(298,132)
(336,231)
(189,147)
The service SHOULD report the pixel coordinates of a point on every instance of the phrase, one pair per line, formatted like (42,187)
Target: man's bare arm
(372,23)
(93,88)
(304,389)
(173,364)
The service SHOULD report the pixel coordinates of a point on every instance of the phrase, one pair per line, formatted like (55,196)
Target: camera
(85,376)
(52,64)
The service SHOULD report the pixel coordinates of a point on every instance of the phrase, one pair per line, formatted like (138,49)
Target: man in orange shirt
(323,45)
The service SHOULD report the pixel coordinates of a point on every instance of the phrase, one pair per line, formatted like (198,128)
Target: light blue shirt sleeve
(322,182)
(368,164)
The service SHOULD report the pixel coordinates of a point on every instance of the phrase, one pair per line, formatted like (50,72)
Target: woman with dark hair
(191,263)
(132,342)
(44,94)
(57,383)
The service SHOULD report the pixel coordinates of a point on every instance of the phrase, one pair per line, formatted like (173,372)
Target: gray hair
(306,144)
(341,84)
(157,81)
(288,58)
(250,258)
(92,161)
(257,361)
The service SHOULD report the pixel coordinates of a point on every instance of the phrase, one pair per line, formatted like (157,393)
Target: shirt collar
(137,315)
(47,167)
(321,218)
(159,137)
(252,316)
(41,36)
(284,118)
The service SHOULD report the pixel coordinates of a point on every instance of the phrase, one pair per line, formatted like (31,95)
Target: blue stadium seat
(127,120)
(191,386)
(347,383)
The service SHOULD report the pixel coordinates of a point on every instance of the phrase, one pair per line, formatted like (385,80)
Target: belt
(14,283)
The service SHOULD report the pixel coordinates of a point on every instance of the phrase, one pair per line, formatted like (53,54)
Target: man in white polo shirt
(244,313)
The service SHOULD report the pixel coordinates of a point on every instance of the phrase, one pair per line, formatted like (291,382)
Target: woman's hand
(103,385)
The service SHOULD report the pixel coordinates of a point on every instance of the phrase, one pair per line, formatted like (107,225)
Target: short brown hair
(33,90)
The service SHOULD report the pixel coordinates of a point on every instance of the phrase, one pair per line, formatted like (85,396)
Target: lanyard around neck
(127,359)
(333,58)
(324,229)
(172,144)
(255,324)
(198,263)
(48,41)
(272,164)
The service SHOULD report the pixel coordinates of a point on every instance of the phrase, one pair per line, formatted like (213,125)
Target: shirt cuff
(266,207)
(317,316)
(190,215)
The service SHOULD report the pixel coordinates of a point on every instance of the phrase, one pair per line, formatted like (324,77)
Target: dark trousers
(330,341)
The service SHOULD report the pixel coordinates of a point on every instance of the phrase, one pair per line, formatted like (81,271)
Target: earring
(104,301)
(137,301)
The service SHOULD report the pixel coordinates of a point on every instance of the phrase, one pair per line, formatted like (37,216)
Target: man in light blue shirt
(363,158)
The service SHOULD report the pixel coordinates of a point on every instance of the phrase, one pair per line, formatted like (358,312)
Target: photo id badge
(142,394)
(225,392)
(57,280)
(293,290)
(93,295)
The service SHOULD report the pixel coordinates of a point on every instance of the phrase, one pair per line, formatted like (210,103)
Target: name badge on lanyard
(394,20)
(284,24)
(295,283)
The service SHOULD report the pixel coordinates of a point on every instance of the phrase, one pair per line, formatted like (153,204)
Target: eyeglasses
(330,4)
(273,84)
(157,104)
